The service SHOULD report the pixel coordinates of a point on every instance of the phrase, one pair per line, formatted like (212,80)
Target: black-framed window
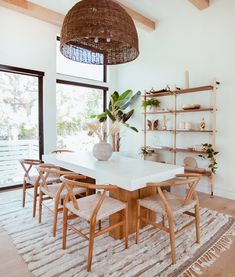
(75,103)
(21,125)
(68,67)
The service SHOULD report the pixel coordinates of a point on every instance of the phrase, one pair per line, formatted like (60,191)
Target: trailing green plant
(152,102)
(117,107)
(143,151)
(210,155)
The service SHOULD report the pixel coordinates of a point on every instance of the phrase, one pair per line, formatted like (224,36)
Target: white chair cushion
(155,203)
(87,205)
(51,179)
(52,190)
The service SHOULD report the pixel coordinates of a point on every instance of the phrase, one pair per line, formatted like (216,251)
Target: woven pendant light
(99,32)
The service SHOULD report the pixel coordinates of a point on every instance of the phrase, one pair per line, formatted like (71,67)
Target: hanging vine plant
(210,154)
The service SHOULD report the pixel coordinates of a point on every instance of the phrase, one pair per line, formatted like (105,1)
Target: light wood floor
(12,265)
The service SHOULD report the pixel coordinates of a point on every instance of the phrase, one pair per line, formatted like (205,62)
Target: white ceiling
(154,9)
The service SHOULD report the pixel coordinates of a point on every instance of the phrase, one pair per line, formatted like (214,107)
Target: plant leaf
(128,115)
(124,98)
(131,127)
(110,115)
(125,95)
(132,101)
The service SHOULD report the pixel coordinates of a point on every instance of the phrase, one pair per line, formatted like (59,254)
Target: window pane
(75,104)
(69,67)
(18,125)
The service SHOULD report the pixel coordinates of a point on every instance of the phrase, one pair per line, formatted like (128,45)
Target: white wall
(202,42)
(29,43)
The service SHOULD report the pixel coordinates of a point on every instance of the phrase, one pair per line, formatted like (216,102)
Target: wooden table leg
(131,198)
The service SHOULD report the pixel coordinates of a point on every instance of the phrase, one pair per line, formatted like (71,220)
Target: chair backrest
(74,180)
(192,181)
(49,171)
(189,179)
(29,165)
(59,151)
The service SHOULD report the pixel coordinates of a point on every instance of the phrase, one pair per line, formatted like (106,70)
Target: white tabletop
(127,173)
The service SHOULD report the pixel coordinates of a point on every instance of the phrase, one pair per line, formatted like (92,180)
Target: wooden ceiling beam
(139,18)
(200,4)
(50,16)
(34,10)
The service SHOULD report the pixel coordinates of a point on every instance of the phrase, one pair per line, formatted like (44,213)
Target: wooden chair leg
(100,225)
(91,246)
(65,227)
(35,195)
(126,226)
(40,207)
(163,220)
(24,194)
(197,222)
(56,206)
(172,239)
(137,223)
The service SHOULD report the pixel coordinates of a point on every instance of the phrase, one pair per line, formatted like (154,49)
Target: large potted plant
(119,111)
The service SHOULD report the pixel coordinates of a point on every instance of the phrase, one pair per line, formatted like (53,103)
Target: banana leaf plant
(118,111)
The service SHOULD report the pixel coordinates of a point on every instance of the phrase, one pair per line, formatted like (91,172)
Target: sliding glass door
(21,129)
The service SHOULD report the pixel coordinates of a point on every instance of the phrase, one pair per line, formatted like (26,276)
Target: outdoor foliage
(18,106)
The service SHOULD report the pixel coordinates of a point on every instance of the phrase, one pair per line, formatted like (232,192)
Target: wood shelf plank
(178,92)
(186,150)
(193,131)
(181,111)
(160,112)
(170,149)
(195,89)
(180,131)
(194,110)
(159,94)
(158,130)
(204,173)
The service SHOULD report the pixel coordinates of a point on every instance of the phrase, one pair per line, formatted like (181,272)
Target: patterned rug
(151,257)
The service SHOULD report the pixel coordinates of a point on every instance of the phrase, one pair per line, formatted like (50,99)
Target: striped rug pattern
(151,257)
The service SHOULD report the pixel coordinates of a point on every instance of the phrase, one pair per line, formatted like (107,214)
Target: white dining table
(128,174)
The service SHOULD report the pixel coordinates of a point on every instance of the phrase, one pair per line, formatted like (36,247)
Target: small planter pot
(151,109)
(151,157)
(102,151)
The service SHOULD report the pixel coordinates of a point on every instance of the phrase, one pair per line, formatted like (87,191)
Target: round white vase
(102,151)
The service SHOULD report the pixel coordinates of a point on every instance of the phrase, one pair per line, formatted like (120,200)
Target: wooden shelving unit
(174,131)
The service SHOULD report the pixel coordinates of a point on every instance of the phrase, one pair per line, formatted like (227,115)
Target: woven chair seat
(52,190)
(87,205)
(155,203)
(32,179)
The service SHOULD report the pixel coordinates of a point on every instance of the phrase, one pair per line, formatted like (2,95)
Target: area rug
(151,257)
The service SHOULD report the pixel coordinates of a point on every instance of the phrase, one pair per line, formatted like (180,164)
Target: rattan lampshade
(99,32)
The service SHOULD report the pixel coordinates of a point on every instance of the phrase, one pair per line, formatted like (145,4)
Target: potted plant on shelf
(117,111)
(210,155)
(149,154)
(151,103)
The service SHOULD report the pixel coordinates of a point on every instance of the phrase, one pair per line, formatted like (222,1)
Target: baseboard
(218,191)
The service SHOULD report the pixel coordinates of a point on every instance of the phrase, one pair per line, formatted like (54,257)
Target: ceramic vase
(102,151)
